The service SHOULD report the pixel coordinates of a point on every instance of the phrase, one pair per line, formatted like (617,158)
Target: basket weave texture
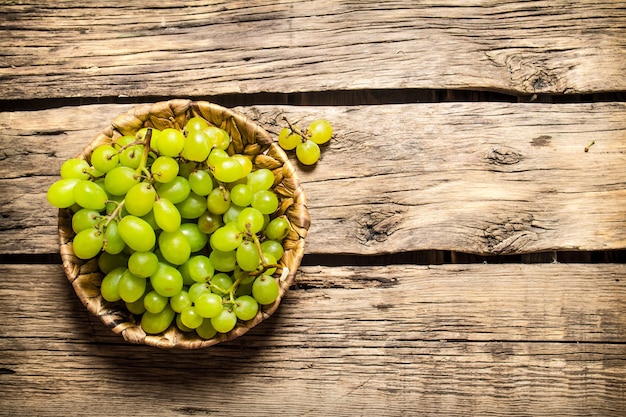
(248,138)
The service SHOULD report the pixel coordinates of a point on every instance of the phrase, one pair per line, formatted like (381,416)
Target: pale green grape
(277,229)
(75,168)
(218,200)
(265,289)
(308,152)
(136,307)
(155,302)
(176,190)
(250,220)
(197,239)
(223,261)
(88,243)
(196,123)
(273,248)
(206,330)
(110,283)
(85,219)
(218,138)
(200,268)
(90,195)
(232,213)
(140,199)
(180,301)
(175,247)
(320,131)
(208,304)
(245,162)
(265,201)
(209,222)
(166,215)
(113,242)
(164,169)
(131,156)
(107,262)
(61,193)
(197,289)
(167,280)
(241,195)
(245,307)
(220,283)
(190,317)
(197,146)
(181,326)
(143,264)
(154,138)
(228,170)
(192,207)
(226,238)
(218,155)
(137,233)
(120,179)
(201,182)
(131,287)
(225,321)
(171,142)
(248,257)
(104,158)
(261,179)
(288,140)
(152,323)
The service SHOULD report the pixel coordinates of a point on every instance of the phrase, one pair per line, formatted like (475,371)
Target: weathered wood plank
(485,178)
(97,49)
(453,340)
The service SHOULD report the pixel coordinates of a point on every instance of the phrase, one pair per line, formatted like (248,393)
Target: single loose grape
(288,140)
(308,152)
(320,131)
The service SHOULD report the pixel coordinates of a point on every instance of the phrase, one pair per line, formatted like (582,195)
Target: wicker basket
(247,138)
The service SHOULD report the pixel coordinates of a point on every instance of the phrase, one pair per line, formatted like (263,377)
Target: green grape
(273,248)
(200,268)
(218,200)
(176,190)
(201,182)
(197,146)
(110,283)
(107,262)
(113,242)
(278,228)
(250,220)
(265,201)
(175,247)
(218,138)
(152,323)
(154,139)
(206,330)
(75,168)
(104,158)
(269,259)
(245,162)
(137,233)
(140,199)
(320,131)
(225,321)
(143,264)
(166,215)
(197,239)
(232,213)
(184,271)
(228,170)
(171,142)
(308,152)
(192,207)
(190,317)
(196,123)
(88,243)
(209,222)
(223,261)
(186,168)
(244,277)
(120,179)
(90,195)
(245,307)
(208,305)
(243,289)
(136,307)
(197,289)
(84,219)
(265,289)
(241,195)
(149,218)
(217,155)
(288,140)
(131,287)
(220,283)
(180,301)
(155,302)
(248,257)
(181,326)
(164,169)
(226,238)
(167,280)
(131,156)
(123,141)
(261,179)
(61,193)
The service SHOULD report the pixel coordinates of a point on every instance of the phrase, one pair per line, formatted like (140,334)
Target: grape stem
(144,155)
(295,129)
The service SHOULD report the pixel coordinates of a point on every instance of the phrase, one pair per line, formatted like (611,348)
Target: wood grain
(397,340)
(133,49)
(483,178)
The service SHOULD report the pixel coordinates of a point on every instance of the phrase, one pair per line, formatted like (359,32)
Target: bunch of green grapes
(184,232)
(306,143)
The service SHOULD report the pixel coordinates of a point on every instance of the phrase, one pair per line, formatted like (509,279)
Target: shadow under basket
(248,138)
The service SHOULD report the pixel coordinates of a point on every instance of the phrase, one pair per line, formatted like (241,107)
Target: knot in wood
(504,155)
(510,235)
(377,226)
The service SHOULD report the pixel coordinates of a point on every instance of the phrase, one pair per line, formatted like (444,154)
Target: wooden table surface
(466,255)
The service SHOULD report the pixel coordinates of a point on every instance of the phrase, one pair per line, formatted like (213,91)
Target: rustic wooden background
(466,255)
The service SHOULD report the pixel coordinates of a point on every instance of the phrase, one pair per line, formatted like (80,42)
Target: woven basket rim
(248,138)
